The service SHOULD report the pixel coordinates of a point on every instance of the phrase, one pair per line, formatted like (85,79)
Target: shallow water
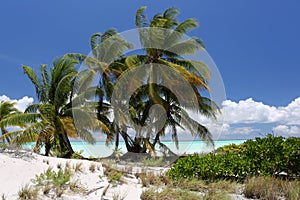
(185,147)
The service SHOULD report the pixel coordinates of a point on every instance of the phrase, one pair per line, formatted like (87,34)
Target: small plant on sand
(114,176)
(68,165)
(58,165)
(78,167)
(119,195)
(117,153)
(92,167)
(76,187)
(27,192)
(47,188)
(59,179)
(50,180)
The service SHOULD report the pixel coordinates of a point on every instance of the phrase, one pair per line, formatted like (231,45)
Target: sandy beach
(18,168)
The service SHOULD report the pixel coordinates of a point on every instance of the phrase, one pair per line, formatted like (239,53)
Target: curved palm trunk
(4,131)
(47,148)
(65,146)
(117,141)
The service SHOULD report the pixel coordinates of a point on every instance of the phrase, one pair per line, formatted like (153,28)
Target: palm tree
(164,42)
(7,109)
(51,121)
(106,60)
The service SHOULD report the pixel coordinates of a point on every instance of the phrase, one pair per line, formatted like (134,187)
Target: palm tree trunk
(4,131)
(117,140)
(65,142)
(65,146)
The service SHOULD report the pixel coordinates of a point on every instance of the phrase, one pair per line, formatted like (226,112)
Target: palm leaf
(34,79)
(20,119)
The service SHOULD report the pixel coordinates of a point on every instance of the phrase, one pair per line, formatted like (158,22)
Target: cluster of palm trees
(64,92)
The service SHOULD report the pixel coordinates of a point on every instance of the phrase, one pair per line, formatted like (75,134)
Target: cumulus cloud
(284,129)
(21,104)
(249,116)
(250,112)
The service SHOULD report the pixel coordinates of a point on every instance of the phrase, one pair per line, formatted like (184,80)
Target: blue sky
(255,44)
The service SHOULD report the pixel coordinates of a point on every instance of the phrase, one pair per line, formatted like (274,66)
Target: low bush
(263,156)
(210,167)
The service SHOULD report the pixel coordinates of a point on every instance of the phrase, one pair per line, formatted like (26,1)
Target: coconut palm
(50,122)
(164,42)
(106,59)
(7,109)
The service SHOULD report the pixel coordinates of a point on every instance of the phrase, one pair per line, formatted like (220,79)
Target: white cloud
(247,116)
(284,129)
(250,112)
(21,104)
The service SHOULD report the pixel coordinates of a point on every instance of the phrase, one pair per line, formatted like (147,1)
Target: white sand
(18,168)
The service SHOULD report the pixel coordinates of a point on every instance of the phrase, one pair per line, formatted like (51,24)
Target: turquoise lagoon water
(185,147)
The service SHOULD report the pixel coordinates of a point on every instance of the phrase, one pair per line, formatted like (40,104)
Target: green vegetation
(264,156)
(7,110)
(50,122)
(164,45)
(114,176)
(54,184)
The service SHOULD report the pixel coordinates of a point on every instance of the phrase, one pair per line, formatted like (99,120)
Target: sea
(100,149)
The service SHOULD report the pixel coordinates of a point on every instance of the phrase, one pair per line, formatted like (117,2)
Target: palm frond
(186,47)
(34,79)
(7,109)
(33,108)
(45,79)
(20,119)
(94,39)
(141,18)
(196,129)
(63,89)
(69,127)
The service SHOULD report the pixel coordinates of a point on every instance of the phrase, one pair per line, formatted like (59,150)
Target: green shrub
(263,156)
(231,148)
(210,167)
